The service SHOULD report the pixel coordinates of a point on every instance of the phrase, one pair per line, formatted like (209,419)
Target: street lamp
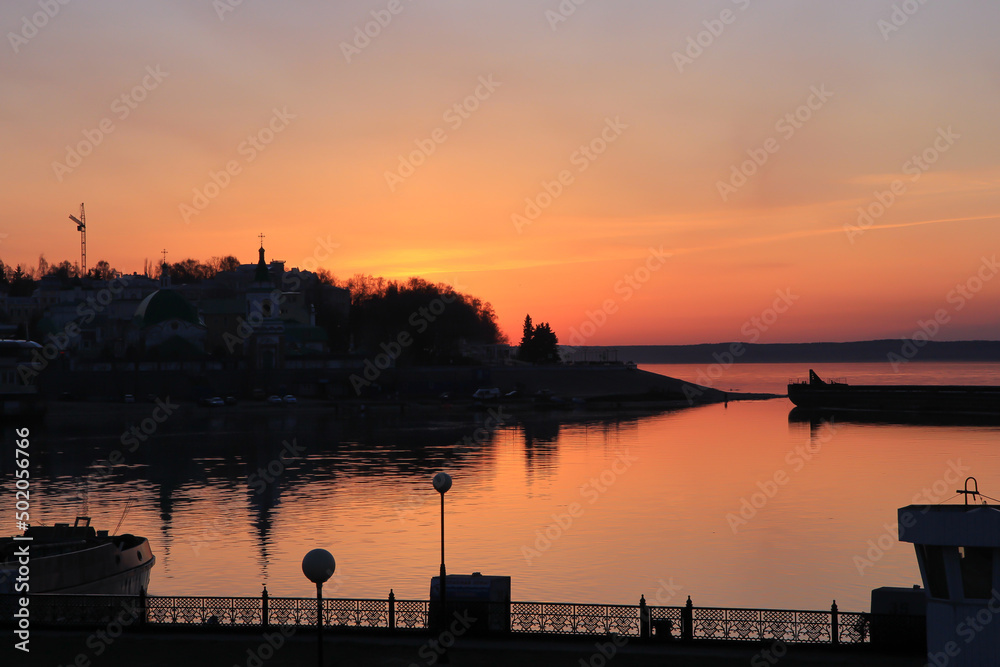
(318,566)
(442,482)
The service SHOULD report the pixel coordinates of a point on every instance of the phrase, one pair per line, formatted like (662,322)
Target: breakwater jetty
(595,384)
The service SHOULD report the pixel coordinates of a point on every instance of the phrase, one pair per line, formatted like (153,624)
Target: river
(734,505)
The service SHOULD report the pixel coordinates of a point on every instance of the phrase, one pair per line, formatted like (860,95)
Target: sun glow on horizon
(532,166)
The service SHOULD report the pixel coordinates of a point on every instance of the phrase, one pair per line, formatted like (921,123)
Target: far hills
(772,353)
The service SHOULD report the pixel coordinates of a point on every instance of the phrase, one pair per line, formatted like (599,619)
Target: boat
(817,394)
(75,559)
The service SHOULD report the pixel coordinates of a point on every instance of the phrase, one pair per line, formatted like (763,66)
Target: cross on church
(164,255)
(261,239)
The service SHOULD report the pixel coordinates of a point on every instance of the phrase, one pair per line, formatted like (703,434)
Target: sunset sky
(689,160)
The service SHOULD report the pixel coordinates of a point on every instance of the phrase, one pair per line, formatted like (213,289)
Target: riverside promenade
(224,649)
(86,631)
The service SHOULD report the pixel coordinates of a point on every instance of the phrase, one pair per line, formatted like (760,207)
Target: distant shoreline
(769,353)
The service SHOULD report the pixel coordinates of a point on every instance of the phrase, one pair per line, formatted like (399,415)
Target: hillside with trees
(436,320)
(436,317)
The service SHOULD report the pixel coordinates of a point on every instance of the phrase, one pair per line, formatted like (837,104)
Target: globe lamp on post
(318,565)
(442,482)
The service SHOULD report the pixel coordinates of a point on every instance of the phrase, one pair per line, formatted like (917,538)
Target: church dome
(163,305)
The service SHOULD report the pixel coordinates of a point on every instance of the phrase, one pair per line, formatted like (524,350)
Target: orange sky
(676,120)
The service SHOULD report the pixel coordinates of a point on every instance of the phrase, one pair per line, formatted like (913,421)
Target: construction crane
(81,226)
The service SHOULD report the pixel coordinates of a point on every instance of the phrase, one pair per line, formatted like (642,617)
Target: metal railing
(741,624)
(265,611)
(661,623)
(574,619)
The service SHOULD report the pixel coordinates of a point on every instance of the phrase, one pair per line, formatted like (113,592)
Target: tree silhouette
(101,271)
(64,271)
(539,344)
(220,264)
(21,284)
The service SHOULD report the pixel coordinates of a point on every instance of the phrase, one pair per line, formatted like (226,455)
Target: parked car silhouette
(485,394)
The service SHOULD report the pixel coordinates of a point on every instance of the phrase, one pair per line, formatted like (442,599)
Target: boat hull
(128,582)
(943,399)
(111,565)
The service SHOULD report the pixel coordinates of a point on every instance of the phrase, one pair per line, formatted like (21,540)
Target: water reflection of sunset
(588,510)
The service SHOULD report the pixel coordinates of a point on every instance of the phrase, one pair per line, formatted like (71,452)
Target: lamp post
(442,482)
(318,566)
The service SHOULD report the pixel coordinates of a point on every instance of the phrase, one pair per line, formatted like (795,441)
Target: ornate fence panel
(356,613)
(812,626)
(292,611)
(574,619)
(412,614)
(790,626)
(855,628)
(665,622)
(189,610)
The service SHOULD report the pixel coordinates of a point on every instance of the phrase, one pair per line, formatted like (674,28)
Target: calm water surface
(575,507)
